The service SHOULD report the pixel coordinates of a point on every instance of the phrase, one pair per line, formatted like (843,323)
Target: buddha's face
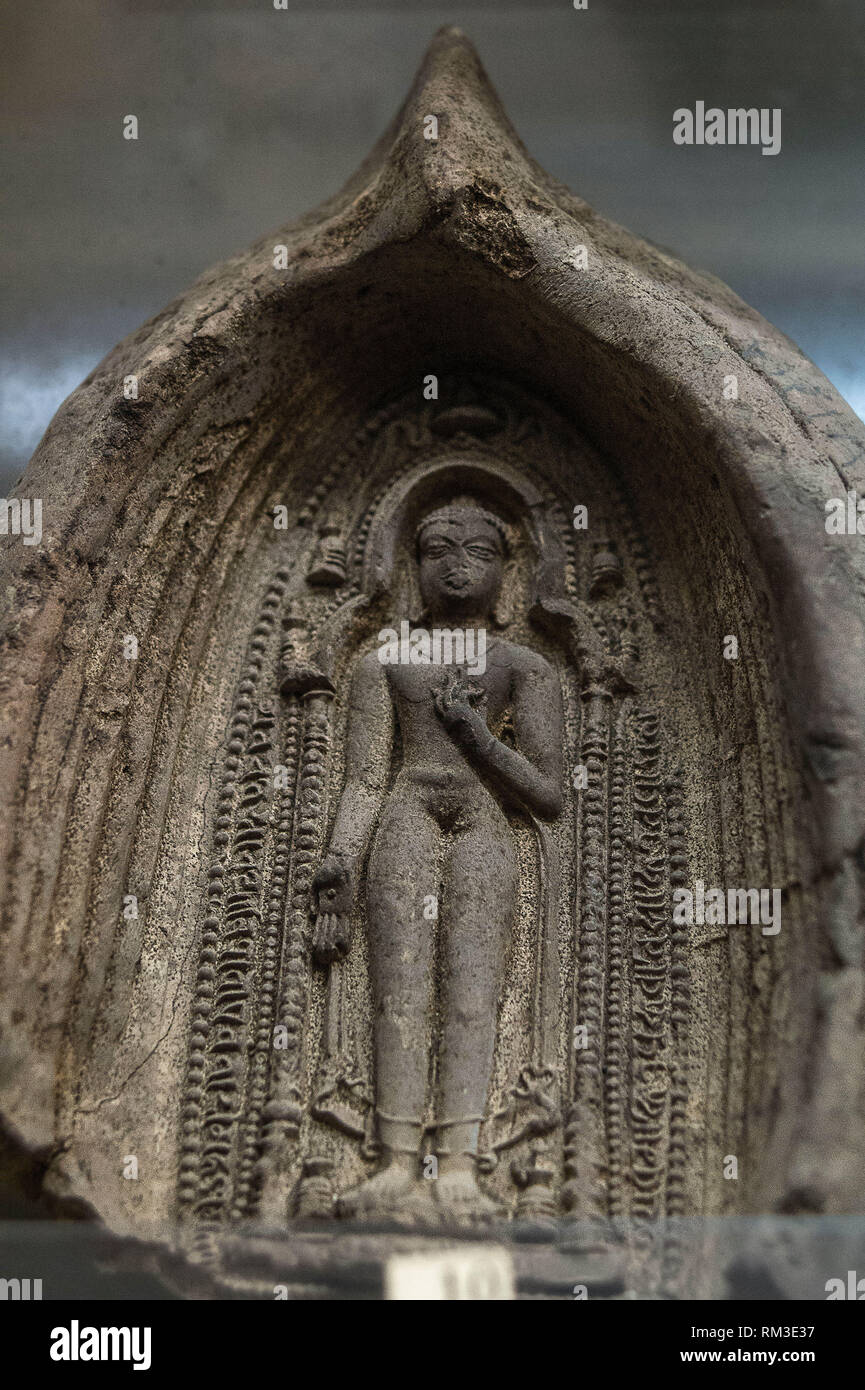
(461,565)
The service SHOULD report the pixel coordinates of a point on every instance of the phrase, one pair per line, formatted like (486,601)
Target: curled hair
(457,512)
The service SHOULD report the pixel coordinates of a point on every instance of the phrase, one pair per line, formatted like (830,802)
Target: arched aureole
(488,477)
(613,1123)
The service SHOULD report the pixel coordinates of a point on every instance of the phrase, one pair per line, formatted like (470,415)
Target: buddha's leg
(402,879)
(479,907)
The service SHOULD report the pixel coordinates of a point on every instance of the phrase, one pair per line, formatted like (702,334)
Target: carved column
(284,1111)
(585,1160)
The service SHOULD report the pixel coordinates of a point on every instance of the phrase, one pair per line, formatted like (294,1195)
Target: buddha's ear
(502,614)
(405,596)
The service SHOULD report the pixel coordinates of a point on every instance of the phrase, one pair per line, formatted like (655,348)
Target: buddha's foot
(460,1199)
(393,1193)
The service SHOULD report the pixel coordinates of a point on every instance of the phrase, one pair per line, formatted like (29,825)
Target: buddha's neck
(473,621)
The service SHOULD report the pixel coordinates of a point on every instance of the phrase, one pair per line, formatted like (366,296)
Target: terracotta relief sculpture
(346,903)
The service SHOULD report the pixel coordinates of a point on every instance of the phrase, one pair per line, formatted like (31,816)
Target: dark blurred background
(250,115)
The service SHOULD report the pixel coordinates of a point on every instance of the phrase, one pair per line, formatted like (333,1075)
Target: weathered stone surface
(154,778)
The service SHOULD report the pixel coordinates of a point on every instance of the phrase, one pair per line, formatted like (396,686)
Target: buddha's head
(462,551)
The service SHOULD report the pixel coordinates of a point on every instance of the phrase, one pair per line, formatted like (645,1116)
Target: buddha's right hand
(333,899)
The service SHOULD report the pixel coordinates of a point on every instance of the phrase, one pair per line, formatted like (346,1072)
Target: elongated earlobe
(502,612)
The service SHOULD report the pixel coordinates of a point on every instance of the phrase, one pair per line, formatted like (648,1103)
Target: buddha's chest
(415,686)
